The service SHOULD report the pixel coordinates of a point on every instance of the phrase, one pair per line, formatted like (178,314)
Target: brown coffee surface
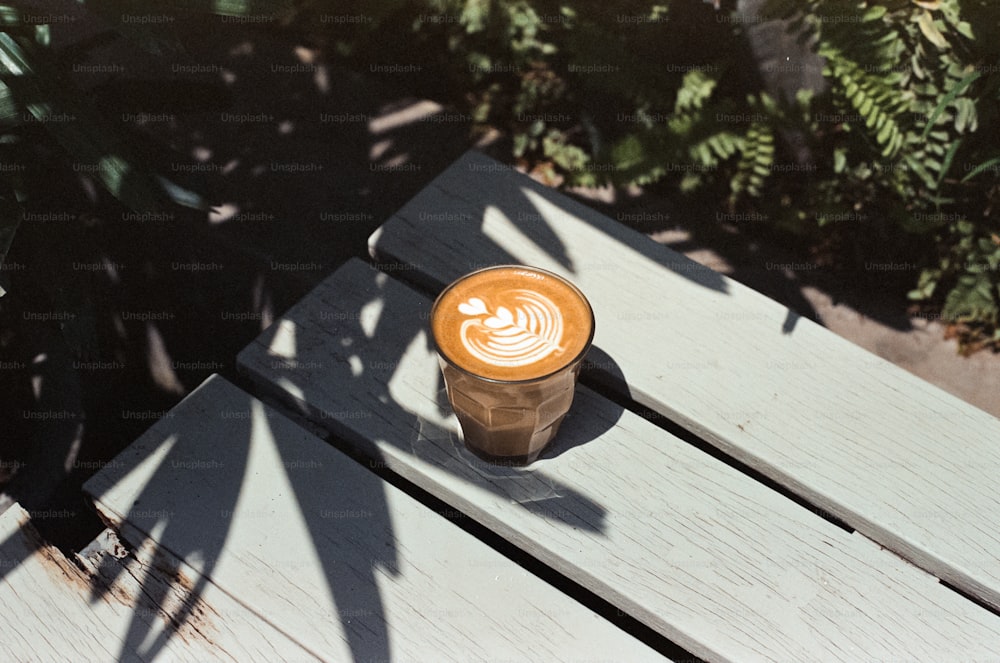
(511,323)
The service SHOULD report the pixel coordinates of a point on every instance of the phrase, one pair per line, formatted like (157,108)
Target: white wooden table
(736,555)
(345,566)
(823,505)
(237,535)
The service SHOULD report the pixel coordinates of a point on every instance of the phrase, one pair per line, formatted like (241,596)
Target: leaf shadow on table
(217,491)
(480,213)
(348,363)
(514,223)
(183,534)
(360,364)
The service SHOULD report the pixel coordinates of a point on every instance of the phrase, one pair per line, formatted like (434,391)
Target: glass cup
(510,342)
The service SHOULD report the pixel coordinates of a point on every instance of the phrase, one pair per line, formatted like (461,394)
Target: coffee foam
(511,323)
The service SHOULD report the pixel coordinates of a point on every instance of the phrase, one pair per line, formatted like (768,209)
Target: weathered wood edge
(108,591)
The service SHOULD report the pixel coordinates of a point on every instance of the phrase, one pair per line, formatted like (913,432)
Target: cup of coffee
(510,341)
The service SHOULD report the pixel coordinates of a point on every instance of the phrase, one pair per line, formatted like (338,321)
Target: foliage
(895,157)
(36,90)
(918,83)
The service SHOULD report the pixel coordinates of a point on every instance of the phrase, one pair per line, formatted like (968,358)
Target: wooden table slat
(697,550)
(346,564)
(125,609)
(897,458)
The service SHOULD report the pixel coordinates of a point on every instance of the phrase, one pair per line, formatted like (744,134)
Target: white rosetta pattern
(530,332)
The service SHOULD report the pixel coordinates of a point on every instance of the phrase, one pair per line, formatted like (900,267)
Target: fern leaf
(755,162)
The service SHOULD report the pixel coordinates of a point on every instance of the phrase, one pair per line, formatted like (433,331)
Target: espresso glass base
(505,461)
(483,444)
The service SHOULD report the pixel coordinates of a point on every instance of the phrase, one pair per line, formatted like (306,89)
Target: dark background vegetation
(176,174)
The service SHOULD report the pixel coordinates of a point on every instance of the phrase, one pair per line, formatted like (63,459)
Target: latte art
(511,323)
(528,331)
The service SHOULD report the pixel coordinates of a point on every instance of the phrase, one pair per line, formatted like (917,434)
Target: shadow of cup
(532,487)
(591,415)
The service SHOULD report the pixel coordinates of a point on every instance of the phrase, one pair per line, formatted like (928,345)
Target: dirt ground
(112,316)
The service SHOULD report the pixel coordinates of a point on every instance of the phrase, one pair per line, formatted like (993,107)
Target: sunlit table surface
(734,482)
(735,478)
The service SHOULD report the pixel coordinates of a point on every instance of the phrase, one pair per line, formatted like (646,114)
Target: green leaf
(986,165)
(873,14)
(10,113)
(99,146)
(628,152)
(970,300)
(965,29)
(43,36)
(947,99)
(475,15)
(9,17)
(521,144)
(965,116)
(885,133)
(754,166)
(946,164)
(10,219)
(695,89)
(927,27)
(569,157)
